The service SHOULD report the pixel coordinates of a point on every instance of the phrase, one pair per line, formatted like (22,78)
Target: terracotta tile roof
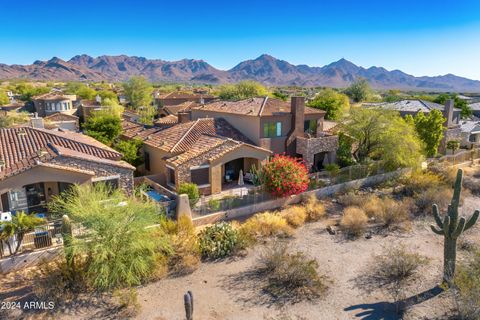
(169,120)
(182,107)
(183,136)
(24,147)
(61,117)
(263,106)
(131,130)
(184,95)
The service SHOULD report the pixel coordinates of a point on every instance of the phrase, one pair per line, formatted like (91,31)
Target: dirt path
(226,290)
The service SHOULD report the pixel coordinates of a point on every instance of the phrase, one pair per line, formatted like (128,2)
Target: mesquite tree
(451,227)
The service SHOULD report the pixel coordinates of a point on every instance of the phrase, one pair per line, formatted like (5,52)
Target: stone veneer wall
(308,147)
(100,169)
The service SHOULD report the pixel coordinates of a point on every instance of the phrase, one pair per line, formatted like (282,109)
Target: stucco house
(208,152)
(36,164)
(49,103)
(278,126)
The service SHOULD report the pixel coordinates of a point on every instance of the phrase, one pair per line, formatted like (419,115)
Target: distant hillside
(265,69)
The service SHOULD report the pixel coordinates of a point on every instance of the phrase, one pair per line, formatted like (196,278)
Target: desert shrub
(217,241)
(284,176)
(354,221)
(472,185)
(352,199)
(190,189)
(214,204)
(373,207)
(295,216)
(333,169)
(419,181)
(184,256)
(467,287)
(54,282)
(314,208)
(425,200)
(265,224)
(447,173)
(291,276)
(394,212)
(127,300)
(394,269)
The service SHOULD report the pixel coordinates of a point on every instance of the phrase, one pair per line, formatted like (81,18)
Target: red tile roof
(183,136)
(264,106)
(184,95)
(24,147)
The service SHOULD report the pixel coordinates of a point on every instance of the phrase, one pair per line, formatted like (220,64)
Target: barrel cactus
(188,301)
(451,227)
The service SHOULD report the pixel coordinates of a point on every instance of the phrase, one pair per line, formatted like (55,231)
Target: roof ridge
(46,131)
(263,105)
(185,134)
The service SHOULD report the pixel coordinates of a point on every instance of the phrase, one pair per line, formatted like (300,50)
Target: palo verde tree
(138,92)
(242,90)
(451,227)
(117,248)
(332,102)
(359,90)
(429,128)
(382,135)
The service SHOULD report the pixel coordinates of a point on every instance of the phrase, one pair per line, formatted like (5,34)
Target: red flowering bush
(284,176)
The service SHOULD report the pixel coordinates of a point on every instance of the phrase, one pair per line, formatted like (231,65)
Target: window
(272,129)
(310,126)
(170,176)
(146,156)
(200,176)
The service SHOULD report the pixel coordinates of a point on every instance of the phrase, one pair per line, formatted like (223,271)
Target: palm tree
(21,224)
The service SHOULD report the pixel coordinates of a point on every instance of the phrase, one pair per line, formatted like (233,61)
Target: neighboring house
(166,122)
(175,109)
(62,121)
(87,107)
(279,126)
(36,164)
(475,109)
(49,103)
(178,97)
(208,152)
(412,107)
(470,133)
(13,106)
(134,130)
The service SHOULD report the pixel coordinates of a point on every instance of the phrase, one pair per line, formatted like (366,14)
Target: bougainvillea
(284,176)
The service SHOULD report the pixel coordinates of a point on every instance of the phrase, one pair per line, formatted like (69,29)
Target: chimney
(183,117)
(298,115)
(298,118)
(37,122)
(448,113)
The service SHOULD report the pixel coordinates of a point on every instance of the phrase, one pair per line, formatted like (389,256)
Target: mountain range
(265,69)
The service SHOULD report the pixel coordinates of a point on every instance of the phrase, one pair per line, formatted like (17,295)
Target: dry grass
(373,207)
(354,221)
(295,215)
(314,209)
(425,200)
(292,277)
(395,212)
(420,181)
(351,199)
(263,225)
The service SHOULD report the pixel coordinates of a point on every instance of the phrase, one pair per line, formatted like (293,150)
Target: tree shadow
(388,310)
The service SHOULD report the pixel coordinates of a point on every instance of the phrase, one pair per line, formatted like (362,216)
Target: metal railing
(43,236)
(460,157)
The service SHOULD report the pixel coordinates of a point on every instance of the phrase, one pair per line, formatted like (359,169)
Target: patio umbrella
(240,178)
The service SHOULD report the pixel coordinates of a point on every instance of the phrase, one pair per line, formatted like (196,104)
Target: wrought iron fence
(460,157)
(43,236)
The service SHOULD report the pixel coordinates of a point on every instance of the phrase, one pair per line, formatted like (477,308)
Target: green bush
(214,204)
(190,189)
(218,241)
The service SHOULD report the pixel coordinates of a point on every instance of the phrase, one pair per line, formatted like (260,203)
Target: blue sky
(417,37)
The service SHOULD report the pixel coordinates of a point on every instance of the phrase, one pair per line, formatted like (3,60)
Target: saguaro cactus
(188,301)
(451,228)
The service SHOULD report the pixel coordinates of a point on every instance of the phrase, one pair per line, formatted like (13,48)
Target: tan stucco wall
(157,165)
(248,125)
(42,174)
